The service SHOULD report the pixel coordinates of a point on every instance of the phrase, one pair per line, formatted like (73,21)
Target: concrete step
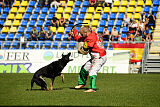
(152,71)
(153,58)
(152,65)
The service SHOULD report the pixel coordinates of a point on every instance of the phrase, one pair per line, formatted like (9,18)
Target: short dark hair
(106,27)
(114,27)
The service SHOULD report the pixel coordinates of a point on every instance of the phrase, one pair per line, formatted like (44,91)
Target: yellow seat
(137,15)
(22,10)
(66,16)
(129,15)
(68,10)
(132,3)
(11,16)
(122,9)
(5,29)
(116,3)
(148,3)
(124,3)
(97,16)
(16,23)
(138,9)
(60,10)
(140,3)
(8,23)
(63,3)
(86,21)
(13,29)
(14,10)
(95,23)
(137,22)
(16,3)
(70,3)
(130,9)
(98,9)
(94,29)
(19,16)
(60,29)
(88,16)
(90,9)
(106,10)
(24,3)
(53,29)
(58,16)
(114,9)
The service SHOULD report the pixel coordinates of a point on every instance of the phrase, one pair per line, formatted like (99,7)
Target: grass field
(113,90)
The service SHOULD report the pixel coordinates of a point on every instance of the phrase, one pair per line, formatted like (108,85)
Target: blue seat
(13,48)
(7,44)
(77,3)
(37,10)
(42,16)
(65,37)
(110,29)
(73,16)
(45,28)
(44,9)
(1,22)
(123,36)
(24,23)
(72,44)
(52,10)
(71,48)
(113,16)
(34,16)
(47,44)
(55,44)
(61,48)
(105,16)
(38,5)
(27,35)
(32,23)
(85,3)
(29,48)
(79,21)
(21,30)
(32,3)
(68,29)
(39,43)
(50,16)
(83,10)
(63,44)
(29,10)
(75,9)
(155,9)
(58,36)
(31,44)
(119,23)
(0,8)
(100,29)
(146,9)
(2,36)
(10,36)
(121,16)
(3,16)
(118,29)
(155,15)
(17,36)
(47,23)
(6,10)
(71,24)
(39,22)
(4,48)
(111,23)
(26,16)
(46,48)
(81,17)
(38,29)
(124,29)
(15,43)
(103,23)
(29,29)
(78,28)
(156,3)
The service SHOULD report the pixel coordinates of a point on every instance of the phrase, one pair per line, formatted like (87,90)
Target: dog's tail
(32,82)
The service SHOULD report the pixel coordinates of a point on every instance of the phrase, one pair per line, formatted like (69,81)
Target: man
(49,34)
(22,40)
(54,22)
(126,21)
(92,2)
(94,45)
(147,34)
(106,33)
(34,34)
(114,35)
(152,19)
(108,3)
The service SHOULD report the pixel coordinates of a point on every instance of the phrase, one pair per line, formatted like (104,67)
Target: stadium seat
(85,3)
(64,44)
(114,9)
(97,16)
(68,29)
(26,16)
(34,16)
(29,10)
(10,36)
(111,23)
(32,23)
(155,9)
(50,16)
(72,44)
(16,3)
(27,36)
(118,29)
(130,9)
(44,9)
(31,44)
(42,16)
(121,16)
(16,23)
(70,3)
(129,15)
(38,29)
(53,29)
(2,36)
(47,23)
(88,16)
(106,9)
(1,22)
(113,16)
(116,3)
(29,29)
(13,10)
(78,28)
(39,44)
(123,36)
(55,44)
(122,9)
(8,23)
(58,36)
(60,29)
(68,10)
(90,9)
(19,16)
(6,10)
(71,48)
(73,16)
(17,36)
(13,29)
(94,22)
(63,3)
(81,17)
(75,10)
(21,10)
(86,21)
(119,23)
(37,10)
(124,29)
(31,4)
(148,3)
(5,30)
(7,44)
(104,16)
(83,10)
(124,3)
(58,16)
(77,3)
(98,9)
(137,15)
(79,21)
(146,9)
(140,3)
(156,3)
(39,22)
(3,16)
(71,24)
(24,3)
(21,30)
(100,29)
(66,16)
(15,44)
(102,23)
(60,10)
(132,3)
(138,9)
(52,10)
(48,44)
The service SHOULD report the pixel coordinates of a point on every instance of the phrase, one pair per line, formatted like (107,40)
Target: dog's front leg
(51,84)
(62,75)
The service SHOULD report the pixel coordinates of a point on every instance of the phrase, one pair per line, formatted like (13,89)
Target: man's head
(34,28)
(146,27)
(126,15)
(114,28)
(84,31)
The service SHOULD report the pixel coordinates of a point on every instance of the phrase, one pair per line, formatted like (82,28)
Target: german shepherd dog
(50,71)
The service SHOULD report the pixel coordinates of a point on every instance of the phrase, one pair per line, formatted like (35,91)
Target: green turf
(113,90)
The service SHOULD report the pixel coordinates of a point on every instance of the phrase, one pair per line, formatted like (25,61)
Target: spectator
(54,22)
(62,22)
(147,34)
(139,31)
(34,34)
(114,35)
(106,33)
(2,3)
(108,3)
(141,25)
(143,17)
(129,37)
(126,21)
(92,2)
(133,27)
(137,37)
(152,19)
(8,2)
(55,4)
(44,2)
(100,3)
(22,39)
(49,34)
(42,34)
